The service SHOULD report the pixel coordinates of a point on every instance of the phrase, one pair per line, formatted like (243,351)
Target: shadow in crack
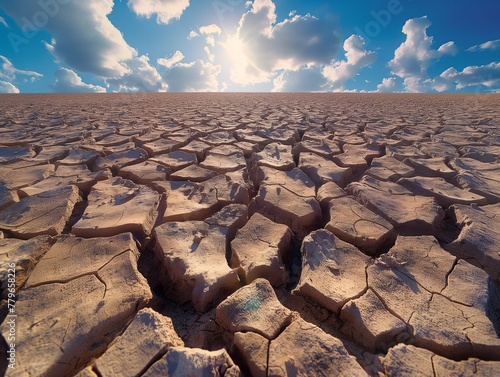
(493,305)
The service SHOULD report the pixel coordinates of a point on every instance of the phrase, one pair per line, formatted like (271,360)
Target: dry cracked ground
(252,234)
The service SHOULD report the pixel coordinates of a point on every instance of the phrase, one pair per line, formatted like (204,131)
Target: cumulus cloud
(414,56)
(357,58)
(85,40)
(210,55)
(171,61)
(142,77)
(197,76)
(303,80)
(330,77)
(192,34)
(388,85)
(261,46)
(82,35)
(67,81)
(210,31)
(165,10)
(490,45)
(9,74)
(485,75)
(7,87)
(449,48)
(3,22)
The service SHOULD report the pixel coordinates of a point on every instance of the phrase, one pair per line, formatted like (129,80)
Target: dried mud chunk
(410,214)
(433,167)
(333,271)
(368,322)
(77,175)
(276,156)
(283,206)
(354,223)
(193,256)
(187,200)
(145,172)
(160,146)
(81,312)
(445,193)
(181,362)
(118,160)
(479,236)
(303,349)
(22,174)
(118,205)
(175,160)
(321,170)
(193,173)
(24,254)
(254,349)
(9,154)
(7,197)
(408,361)
(80,156)
(148,336)
(45,213)
(294,180)
(328,192)
(224,163)
(260,248)
(254,308)
(389,169)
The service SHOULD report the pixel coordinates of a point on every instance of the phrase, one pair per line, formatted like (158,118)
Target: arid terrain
(250,234)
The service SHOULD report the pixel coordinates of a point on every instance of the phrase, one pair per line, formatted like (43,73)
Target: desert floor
(250,234)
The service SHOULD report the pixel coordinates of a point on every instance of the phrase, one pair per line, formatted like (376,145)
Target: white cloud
(449,48)
(261,46)
(485,75)
(490,45)
(303,80)
(9,75)
(357,58)
(7,87)
(143,77)
(210,56)
(330,77)
(82,35)
(67,81)
(388,85)
(3,22)
(210,29)
(9,72)
(414,56)
(169,62)
(165,10)
(85,40)
(414,84)
(197,76)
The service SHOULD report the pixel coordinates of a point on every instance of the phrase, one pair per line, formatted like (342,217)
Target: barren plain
(250,234)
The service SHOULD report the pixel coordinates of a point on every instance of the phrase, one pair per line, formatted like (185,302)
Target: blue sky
(238,45)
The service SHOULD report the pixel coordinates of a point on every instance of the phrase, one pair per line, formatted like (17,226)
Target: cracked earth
(251,234)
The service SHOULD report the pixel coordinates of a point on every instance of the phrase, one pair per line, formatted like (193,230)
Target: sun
(235,51)
(243,69)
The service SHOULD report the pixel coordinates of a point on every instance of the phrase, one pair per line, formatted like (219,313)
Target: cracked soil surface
(251,234)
